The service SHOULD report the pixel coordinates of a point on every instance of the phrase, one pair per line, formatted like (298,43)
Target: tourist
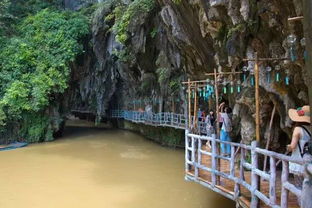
(203,115)
(210,121)
(225,129)
(199,114)
(300,137)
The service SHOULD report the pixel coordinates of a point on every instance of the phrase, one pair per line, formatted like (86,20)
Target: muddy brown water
(98,168)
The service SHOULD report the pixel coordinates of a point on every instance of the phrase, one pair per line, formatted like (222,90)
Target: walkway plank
(228,185)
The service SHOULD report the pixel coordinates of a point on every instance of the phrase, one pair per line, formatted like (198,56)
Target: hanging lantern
(287,79)
(200,92)
(238,86)
(232,87)
(212,87)
(245,69)
(224,87)
(268,70)
(291,42)
(277,73)
(303,44)
(252,78)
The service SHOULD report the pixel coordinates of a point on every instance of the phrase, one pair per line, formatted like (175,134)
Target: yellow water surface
(98,168)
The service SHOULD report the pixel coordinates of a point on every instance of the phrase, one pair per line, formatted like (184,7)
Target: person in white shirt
(225,129)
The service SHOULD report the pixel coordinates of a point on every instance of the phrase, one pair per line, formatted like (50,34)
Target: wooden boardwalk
(228,186)
(239,176)
(164,119)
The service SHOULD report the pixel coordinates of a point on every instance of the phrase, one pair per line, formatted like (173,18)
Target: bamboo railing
(235,175)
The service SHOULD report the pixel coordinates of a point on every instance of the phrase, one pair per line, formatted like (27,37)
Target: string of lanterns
(230,86)
(291,41)
(149,100)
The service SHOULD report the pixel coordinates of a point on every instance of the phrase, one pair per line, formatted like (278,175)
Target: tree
(34,66)
(4,14)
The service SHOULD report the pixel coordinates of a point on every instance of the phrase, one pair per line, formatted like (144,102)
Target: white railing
(242,168)
(236,174)
(165,119)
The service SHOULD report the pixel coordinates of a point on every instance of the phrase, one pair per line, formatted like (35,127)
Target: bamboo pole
(266,59)
(218,128)
(295,18)
(254,177)
(224,73)
(257,96)
(269,137)
(189,104)
(217,102)
(195,108)
(212,74)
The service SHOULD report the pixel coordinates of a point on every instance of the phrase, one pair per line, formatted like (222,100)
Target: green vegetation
(235,29)
(123,16)
(36,127)
(34,67)
(169,82)
(163,75)
(4,12)
(177,1)
(154,32)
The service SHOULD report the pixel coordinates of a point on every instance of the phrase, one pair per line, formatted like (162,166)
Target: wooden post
(284,192)
(187,157)
(307,185)
(254,176)
(193,155)
(195,108)
(307,27)
(217,102)
(232,162)
(198,156)
(273,181)
(189,104)
(218,116)
(269,137)
(257,96)
(214,161)
(241,171)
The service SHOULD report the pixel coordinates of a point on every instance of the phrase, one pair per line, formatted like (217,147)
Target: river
(98,168)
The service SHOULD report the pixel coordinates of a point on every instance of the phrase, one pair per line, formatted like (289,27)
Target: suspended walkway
(165,119)
(238,176)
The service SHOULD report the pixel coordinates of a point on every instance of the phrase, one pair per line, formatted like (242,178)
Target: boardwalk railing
(164,119)
(238,175)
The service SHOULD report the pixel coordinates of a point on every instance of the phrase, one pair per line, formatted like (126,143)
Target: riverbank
(165,136)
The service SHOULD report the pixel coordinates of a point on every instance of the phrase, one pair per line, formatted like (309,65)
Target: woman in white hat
(301,135)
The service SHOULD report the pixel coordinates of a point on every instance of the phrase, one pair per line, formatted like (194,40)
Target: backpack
(307,148)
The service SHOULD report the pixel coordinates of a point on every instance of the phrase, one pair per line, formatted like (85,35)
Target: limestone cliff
(183,39)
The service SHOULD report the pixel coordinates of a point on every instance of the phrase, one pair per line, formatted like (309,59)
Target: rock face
(188,39)
(95,74)
(78,4)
